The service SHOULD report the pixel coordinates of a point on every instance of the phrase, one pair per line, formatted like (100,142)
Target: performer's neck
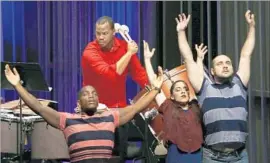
(108,47)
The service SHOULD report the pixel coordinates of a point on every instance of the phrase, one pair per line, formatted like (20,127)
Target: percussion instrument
(10,127)
(13,106)
(48,142)
(44,141)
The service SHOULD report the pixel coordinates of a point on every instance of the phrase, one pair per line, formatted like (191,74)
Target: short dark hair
(213,60)
(79,94)
(105,19)
(218,56)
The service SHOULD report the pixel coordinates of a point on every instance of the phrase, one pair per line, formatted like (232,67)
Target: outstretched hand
(201,50)
(182,22)
(146,51)
(158,80)
(250,18)
(12,77)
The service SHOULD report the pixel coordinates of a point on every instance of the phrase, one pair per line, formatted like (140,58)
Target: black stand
(150,141)
(146,154)
(31,79)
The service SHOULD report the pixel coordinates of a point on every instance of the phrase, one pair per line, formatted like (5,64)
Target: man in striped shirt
(223,102)
(89,135)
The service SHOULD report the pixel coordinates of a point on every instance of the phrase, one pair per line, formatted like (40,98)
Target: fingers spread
(177,21)
(153,50)
(188,17)
(15,71)
(184,16)
(204,48)
(160,71)
(201,46)
(180,17)
(196,46)
(247,13)
(252,16)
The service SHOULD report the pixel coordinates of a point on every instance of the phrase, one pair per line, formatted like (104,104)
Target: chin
(183,101)
(224,76)
(103,45)
(93,107)
(90,110)
(227,77)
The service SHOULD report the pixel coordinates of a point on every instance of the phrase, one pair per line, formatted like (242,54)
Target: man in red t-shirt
(106,62)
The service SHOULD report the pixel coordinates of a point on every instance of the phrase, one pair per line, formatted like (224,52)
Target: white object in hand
(118,29)
(126,31)
(117,26)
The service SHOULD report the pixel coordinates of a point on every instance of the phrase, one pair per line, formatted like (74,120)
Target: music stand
(32,79)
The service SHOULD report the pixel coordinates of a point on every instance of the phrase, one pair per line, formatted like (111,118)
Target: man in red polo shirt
(106,62)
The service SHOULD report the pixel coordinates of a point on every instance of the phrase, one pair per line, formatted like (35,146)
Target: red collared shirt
(99,71)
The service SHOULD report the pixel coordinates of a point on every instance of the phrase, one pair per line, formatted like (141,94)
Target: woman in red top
(182,119)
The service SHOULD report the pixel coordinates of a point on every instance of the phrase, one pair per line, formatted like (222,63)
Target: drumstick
(118,29)
(117,26)
(126,31)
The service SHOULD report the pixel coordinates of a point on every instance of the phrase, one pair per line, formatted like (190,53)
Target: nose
(183,92)
(90,96)
(225,66)
(101,37)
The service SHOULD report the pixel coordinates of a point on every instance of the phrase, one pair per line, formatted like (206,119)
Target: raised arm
(201,51)
(49,114)
(247,49)
(195,74)
(160,98)
(123,62)
(127,113)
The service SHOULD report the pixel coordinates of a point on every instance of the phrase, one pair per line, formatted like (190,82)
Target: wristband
(156,88)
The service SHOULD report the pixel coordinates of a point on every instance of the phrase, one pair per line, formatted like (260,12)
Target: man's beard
(223,79)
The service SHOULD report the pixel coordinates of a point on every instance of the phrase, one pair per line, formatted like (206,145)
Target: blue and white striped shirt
(224,109)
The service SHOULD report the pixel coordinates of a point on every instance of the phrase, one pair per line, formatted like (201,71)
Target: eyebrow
(102,31)
(180,87)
